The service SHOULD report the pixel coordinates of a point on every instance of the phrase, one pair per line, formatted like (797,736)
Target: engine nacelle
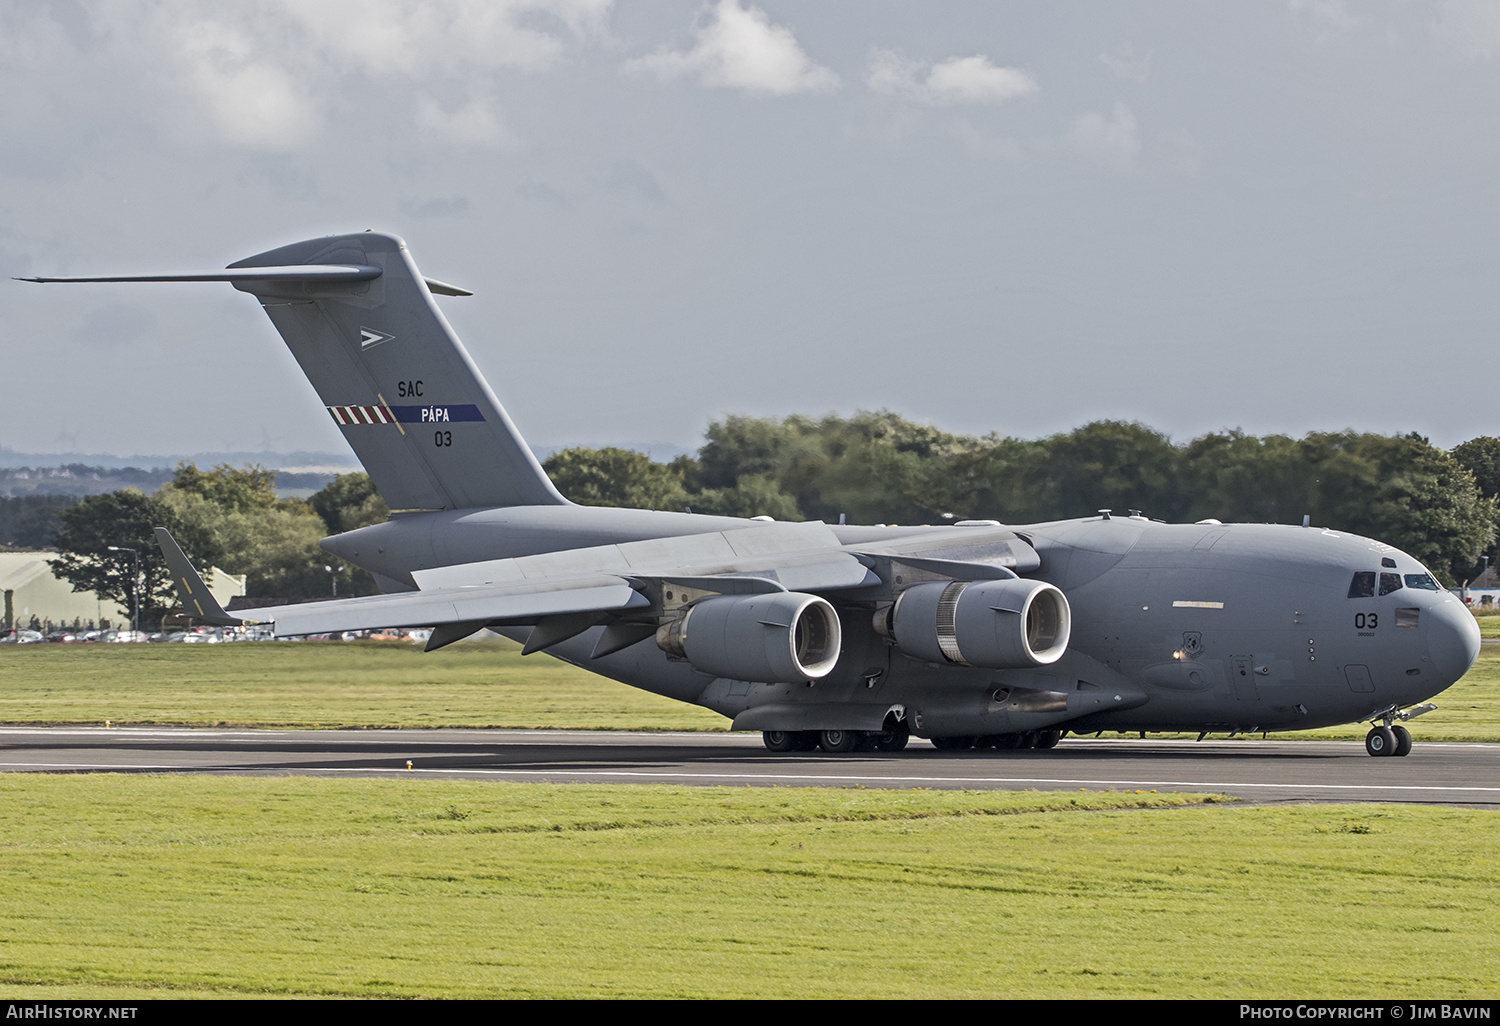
(1001,624)
(774,637)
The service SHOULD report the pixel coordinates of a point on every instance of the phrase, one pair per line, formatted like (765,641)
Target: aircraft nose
(1452,639)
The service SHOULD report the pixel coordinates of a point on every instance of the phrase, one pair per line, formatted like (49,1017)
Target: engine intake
(1002,624)
(775,637)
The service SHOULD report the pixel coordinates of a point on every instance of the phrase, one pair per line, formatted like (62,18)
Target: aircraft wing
(521,603)
(766,557)
(623,586)
(563,593)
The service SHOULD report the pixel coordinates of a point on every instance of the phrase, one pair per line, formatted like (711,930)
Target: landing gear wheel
(1008,742)
(807,741)
(779,740)
(1381,741)
(838,741)
(953,744)
(892,740)
(1403,740)
(1047,738)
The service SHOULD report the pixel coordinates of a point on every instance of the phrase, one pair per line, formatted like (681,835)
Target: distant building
(32,590)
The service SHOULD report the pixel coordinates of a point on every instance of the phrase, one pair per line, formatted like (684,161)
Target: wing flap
(429,609)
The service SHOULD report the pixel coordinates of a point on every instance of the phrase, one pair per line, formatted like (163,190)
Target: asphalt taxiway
(1262,771)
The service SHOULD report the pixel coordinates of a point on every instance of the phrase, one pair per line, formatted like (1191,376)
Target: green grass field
(140,886)
(137,886)
(325,684)
(480,684)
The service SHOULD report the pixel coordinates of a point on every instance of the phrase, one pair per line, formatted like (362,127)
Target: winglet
(194,595)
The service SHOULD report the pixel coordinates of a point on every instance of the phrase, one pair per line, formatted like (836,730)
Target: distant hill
(327,462)
(298,474)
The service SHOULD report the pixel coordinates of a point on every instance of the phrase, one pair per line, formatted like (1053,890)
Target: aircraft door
(1242,678)
(1358,676)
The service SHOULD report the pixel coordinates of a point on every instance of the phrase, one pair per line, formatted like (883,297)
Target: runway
(1436,773)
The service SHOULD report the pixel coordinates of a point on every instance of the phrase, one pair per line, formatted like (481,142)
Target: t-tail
(361,321)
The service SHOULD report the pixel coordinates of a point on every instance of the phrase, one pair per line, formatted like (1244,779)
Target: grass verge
(325,684)
(483,684)
(138,886)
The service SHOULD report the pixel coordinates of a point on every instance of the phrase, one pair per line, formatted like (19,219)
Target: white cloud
(410,38)
(477,123)
(1112,141)
(740,49)
(957,80)
(253,103)
(264,73)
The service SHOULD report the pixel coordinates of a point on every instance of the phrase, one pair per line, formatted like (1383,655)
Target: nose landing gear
(1390,737)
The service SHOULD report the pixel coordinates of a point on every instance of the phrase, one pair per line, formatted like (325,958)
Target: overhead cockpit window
(1363,585)
(1423,581)
(1387,561)
(1389,583)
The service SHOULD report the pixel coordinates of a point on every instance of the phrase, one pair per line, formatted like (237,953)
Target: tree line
(1440,506)
(226,517)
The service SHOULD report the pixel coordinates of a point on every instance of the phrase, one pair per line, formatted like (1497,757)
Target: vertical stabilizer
(395,378)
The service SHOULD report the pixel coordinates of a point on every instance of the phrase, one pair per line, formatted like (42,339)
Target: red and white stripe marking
(346,415)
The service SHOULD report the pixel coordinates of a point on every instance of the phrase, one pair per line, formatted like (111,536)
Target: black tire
(1403,740)
(837,742)
(956,743)
(1380,741)
(779,740)
(1047,738)
(891,740)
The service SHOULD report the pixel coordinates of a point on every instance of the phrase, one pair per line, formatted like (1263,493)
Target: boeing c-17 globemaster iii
(838,637)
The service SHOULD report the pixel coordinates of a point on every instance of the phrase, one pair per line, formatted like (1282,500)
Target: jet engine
(773,637)
(999,624)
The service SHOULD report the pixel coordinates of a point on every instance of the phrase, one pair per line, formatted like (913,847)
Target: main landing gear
(1029,739)
(836,742)
(894,740)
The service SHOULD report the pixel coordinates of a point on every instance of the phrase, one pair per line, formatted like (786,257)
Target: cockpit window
(1388,562)
(1363,585)
(1389,583)
(1423,581)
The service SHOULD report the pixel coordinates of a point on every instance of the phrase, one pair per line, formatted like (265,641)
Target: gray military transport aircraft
(974,634)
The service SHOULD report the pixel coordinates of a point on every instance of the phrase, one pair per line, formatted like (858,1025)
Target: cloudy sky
(1012,217)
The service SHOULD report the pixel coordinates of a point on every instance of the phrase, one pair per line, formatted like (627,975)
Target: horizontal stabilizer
(191,591)
(442,288)
(325,273)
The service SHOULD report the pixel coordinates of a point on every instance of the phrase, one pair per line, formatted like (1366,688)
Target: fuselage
(1237,627)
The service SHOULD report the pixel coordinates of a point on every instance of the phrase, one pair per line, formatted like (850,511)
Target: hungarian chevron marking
(370,337)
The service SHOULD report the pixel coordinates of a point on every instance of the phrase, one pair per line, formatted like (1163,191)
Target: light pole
(135,589)
(333,575)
